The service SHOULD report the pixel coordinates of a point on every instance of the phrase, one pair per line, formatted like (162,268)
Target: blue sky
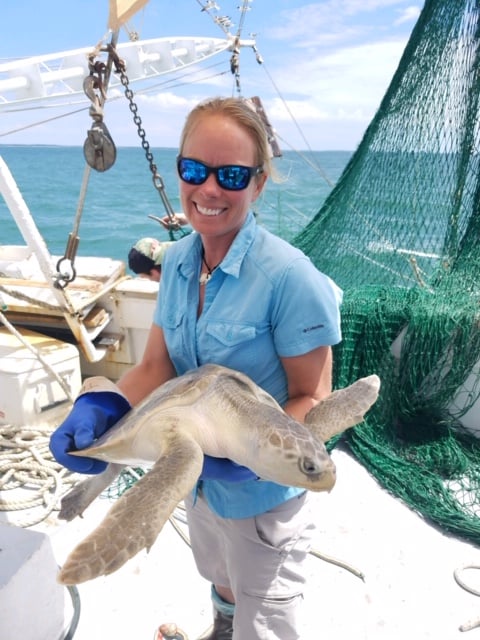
(327,65)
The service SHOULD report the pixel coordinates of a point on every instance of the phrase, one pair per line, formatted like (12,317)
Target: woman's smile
(205,211)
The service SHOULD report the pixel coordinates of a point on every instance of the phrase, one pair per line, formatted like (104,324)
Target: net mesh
(400,234)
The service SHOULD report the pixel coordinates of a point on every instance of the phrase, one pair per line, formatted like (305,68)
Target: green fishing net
(400,234)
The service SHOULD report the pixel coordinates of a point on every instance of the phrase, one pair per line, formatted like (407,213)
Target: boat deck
(408,590)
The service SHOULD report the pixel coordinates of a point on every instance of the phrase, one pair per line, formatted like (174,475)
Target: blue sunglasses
(233,177)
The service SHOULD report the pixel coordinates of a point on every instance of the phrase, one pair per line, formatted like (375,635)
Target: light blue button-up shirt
(264,301)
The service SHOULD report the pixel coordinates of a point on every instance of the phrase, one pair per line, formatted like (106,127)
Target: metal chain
(157,178)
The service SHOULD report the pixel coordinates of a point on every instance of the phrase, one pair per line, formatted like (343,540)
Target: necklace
(205,277)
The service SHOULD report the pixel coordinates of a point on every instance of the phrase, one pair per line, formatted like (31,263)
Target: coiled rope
(31,481)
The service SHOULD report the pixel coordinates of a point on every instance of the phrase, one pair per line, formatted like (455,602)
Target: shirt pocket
(231,335)
(172,319)
(234,345)
(181,353)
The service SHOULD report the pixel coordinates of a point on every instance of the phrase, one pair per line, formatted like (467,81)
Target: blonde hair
(240,112)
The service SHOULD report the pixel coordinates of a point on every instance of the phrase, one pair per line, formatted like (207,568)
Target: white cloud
(342,57)
(165,100)
(409,14)
(322,24)
(350,78)
(303,110)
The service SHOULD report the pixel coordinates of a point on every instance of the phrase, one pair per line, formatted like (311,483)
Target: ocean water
(119,201)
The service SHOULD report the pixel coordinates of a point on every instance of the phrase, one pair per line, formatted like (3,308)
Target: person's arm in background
(179,220)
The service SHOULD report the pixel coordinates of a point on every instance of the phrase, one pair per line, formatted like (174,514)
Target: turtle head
(290,454)
(314,471)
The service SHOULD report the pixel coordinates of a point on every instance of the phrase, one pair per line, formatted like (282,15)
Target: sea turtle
(212,410)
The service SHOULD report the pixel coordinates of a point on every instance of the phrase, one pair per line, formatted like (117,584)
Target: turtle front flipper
(138,516)
(344,408)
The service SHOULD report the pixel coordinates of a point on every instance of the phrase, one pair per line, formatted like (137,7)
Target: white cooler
(29,394)
(32,603)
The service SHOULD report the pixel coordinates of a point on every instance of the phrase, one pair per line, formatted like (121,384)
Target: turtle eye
(308,466)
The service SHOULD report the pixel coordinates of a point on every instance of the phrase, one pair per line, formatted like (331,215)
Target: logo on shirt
(316,326)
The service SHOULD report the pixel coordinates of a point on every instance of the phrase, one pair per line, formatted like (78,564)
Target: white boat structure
(396,572)
(59,77)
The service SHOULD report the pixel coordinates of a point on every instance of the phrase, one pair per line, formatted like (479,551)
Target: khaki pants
(261,559)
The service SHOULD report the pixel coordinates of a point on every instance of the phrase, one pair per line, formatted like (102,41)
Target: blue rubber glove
(92,414)
(225,469)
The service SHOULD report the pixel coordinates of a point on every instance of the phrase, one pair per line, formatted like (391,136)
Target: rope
(475,622)
(33,301)
(179,515)
(31,481)
(40,122)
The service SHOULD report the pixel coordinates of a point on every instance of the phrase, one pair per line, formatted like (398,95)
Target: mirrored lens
(192,171)
(233,177)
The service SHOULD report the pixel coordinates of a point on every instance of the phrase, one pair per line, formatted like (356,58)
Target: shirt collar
(231,264)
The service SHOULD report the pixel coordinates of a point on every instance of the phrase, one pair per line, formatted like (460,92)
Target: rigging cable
(166,84)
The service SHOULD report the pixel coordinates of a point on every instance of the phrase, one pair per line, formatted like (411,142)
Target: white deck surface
(409,589)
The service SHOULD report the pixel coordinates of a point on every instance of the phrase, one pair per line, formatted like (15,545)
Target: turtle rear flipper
(75,502)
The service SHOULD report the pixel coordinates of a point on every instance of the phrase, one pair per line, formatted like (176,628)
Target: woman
(236,295)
